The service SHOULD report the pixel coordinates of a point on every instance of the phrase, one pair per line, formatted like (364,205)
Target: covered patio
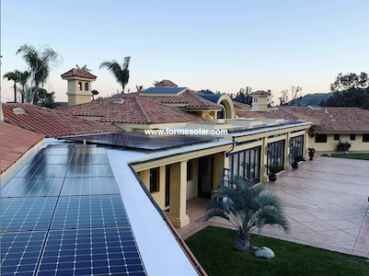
(326,202)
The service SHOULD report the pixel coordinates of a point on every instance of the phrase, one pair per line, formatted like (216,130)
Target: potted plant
(295,164)
(343,147)
(273,174)
(311,152)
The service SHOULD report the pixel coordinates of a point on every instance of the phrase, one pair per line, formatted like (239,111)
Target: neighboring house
(15,143)
(51,122)
(330,125)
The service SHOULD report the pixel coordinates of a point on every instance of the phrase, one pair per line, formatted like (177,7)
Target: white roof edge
(161,253)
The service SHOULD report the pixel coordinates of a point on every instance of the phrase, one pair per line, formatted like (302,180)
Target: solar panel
(62,214)
(25,214)
(142,141)
(75,212)
(89,159)
(164,90)
(20,252)
(104,251)
(89,186)
(89,171)
(40,169)
(36,186)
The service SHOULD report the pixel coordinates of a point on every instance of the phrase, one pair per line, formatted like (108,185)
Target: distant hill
(310,99)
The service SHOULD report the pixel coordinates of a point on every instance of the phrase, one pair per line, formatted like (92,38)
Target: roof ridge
(142,109)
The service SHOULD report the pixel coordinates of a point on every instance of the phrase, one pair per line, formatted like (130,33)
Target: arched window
(221,113)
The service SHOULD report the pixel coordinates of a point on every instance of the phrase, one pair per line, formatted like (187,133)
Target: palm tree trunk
(123,87)
(23,92)
(15,92)
(243,243)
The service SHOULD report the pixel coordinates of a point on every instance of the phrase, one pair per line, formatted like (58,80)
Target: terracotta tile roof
(132,109)
(14,142)
(330,119)
(51,122)
(189,100)
(78,73)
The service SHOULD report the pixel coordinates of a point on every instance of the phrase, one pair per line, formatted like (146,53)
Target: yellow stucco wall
(356,146)
(77,96)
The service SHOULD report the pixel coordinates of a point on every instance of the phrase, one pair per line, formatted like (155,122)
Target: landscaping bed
(359,156)
(213,247)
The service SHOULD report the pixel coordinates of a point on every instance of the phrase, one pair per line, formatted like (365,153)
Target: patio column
(145,177)
(306,143)
(218,168)
(287,152)
(178,193)
(263,161)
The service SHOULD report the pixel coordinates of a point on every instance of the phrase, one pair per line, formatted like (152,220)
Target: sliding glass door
(275,158)
(296,148)
(246,164)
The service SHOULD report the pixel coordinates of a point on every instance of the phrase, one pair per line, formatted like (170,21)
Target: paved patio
(326,202)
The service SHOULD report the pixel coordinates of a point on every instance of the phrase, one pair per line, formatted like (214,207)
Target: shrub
(343,146)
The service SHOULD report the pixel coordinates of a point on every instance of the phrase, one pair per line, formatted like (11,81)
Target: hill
(310,99)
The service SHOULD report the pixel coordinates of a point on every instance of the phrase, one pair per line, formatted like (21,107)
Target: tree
(247,207)
(349,90)
(351,80)
(94,93)
(44,98)
(353,97)
(23,78)
(121,73)
(15,77)
(244,95)
(39,62)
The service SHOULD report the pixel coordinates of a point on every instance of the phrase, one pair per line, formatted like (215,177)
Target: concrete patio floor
(326,202)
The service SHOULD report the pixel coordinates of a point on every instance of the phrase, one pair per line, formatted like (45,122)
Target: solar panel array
(62,214)
(142,141)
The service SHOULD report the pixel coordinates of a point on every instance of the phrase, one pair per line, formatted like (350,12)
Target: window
(296,148)
(87,86)
(336,137)
(320,138)
(366,138)
(154,180)
(246,164)
(80,85)
(352,137)
(275,158)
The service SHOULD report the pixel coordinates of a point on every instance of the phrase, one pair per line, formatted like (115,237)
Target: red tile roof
(189,100)
(328,120)
(51,122)
(78,73)
(14,142)
(131,109)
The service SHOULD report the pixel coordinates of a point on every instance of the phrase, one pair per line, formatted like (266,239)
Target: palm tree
(121,73)
(13,76)
(39,64)
(247,207)
(23,78)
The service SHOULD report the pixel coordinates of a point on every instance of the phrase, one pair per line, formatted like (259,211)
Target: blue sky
(219,45)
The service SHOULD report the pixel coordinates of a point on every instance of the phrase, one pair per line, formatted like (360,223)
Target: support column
(287,152)
(218,168)
(178,192)
(145,177)
(263,161)
(306,143)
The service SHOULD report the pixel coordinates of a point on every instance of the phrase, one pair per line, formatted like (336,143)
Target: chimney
(260,100)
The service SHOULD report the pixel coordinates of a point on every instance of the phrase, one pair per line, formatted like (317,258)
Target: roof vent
(19,111)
